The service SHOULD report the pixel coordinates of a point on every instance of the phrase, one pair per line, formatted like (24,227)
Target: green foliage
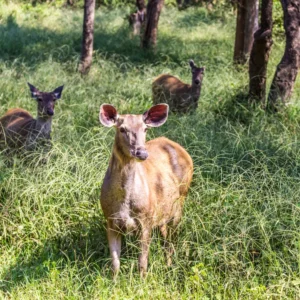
(278,29)
(239,237)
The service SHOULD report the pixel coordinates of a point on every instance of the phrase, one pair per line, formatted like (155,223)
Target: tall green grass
(239,236)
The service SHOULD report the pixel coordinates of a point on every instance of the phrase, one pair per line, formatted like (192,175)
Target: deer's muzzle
(140,153)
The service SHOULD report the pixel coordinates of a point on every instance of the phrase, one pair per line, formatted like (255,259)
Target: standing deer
(145,184)
(180,96)
(19,129)
(137,19)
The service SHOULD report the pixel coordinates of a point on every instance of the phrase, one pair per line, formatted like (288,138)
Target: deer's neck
(196,89)
(43,125)
(121,162)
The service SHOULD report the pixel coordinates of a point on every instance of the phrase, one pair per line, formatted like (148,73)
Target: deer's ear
(34,91)
(157,115)
(108,115)
(192,64)
(57,92)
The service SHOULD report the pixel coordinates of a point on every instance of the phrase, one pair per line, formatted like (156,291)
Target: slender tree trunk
(239,32)
(286,72)
(88,37)
(153,12)
(259,56)
(246,24)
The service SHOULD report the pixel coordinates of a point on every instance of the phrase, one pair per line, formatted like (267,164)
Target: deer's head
(131,129)
(197,74)
(45,101)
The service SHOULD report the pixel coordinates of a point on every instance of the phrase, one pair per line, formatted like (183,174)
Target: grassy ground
(239,236)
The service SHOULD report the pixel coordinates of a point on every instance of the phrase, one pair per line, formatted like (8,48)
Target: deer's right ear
(192,64)
(108,115)
(34,91)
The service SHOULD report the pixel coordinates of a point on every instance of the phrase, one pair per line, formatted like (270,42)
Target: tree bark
(88,37)
(260,53)
(153,12)
(246,24)
(286,72)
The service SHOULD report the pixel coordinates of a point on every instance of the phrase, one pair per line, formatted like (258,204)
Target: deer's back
(169,168)
(169,171)
(169,83)
(169,89)
(15,126)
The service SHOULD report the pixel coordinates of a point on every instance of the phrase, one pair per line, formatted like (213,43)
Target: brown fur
(139,195)
(15,128)
(18,129)
(180,96)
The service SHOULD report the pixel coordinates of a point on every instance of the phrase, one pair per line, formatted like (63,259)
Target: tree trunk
(246,24)
(153,12)
(286,72)
(88,37)
(259,56)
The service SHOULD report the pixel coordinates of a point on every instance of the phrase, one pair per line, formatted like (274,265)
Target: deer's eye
(40,99)
(122,129)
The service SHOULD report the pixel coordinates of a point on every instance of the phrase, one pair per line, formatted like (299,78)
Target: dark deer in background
(180,96)
(18,129)
(137,19)
(145,184)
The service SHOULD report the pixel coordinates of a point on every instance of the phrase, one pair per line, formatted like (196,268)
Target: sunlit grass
(239,236)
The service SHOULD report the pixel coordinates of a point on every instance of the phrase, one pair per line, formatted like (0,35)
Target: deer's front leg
(114,241)
(145,243)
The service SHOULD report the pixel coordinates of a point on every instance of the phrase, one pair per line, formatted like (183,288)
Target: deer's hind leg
(169,233)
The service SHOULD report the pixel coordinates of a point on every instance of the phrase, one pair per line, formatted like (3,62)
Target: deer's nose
(197,81)
(141,153)
(50,112)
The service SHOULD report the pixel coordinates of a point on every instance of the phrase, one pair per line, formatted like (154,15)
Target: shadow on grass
(85,250)
(198,16)
(76,248)
(27,45)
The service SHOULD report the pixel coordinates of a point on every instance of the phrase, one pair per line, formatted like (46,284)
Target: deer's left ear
(157,115)
(57,92)
(34,91)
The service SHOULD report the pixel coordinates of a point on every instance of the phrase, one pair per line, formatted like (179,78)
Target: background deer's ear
(192,64)
(108,115)
(57,92)
(34,91)
(157,115)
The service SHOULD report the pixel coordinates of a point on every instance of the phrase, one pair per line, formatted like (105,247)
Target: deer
(18,129)
(181,97)
(145,184)
(137,19)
